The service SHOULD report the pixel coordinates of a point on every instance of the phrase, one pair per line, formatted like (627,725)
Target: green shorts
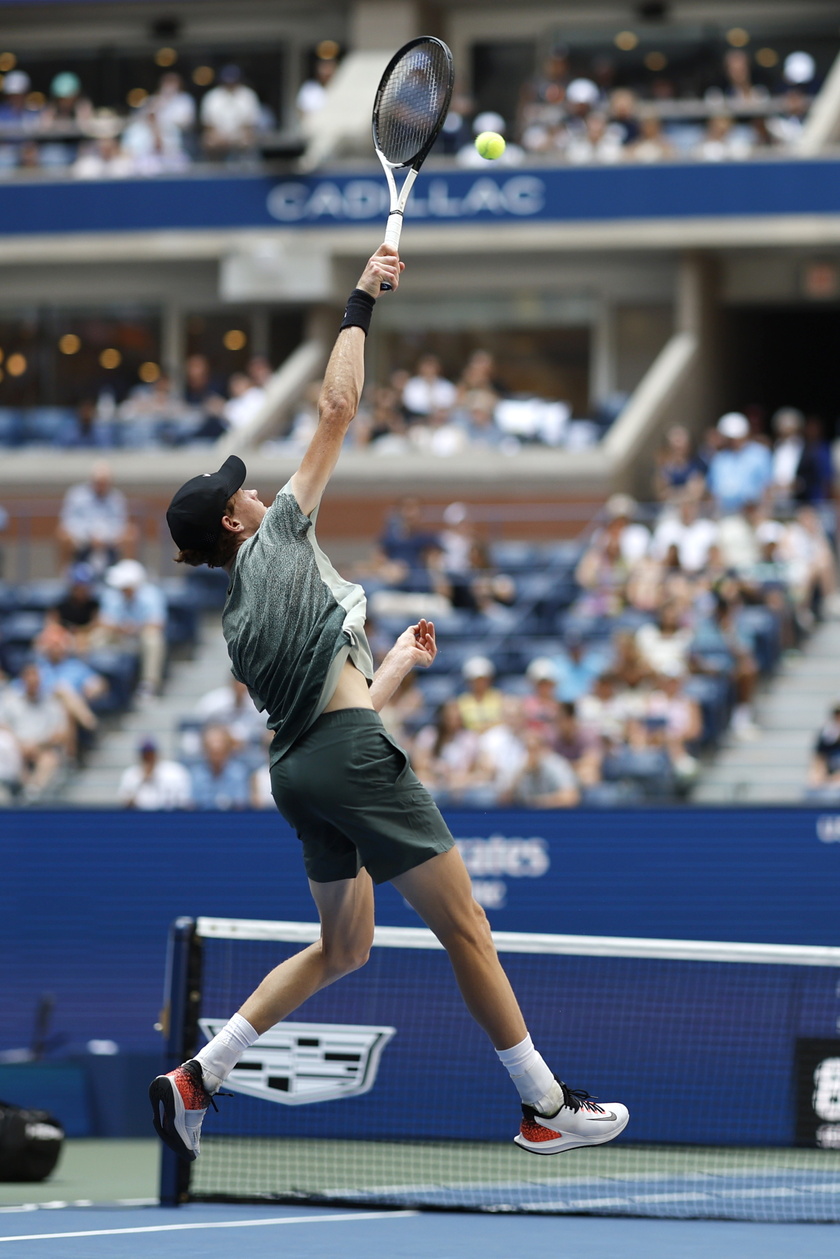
(349,792)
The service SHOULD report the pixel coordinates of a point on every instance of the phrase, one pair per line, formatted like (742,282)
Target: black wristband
(358,311)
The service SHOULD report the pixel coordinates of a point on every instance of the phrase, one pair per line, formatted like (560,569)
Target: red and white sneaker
(179,1104)
(579,1121)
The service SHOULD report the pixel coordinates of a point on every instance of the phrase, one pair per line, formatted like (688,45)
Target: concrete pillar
(384,24)
(698,312)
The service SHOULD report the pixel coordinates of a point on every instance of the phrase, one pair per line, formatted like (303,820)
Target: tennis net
(382,1091)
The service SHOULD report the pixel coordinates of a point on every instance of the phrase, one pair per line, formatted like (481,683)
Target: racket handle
(393,231)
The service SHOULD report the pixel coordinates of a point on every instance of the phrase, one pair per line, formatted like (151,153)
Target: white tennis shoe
(579,1121)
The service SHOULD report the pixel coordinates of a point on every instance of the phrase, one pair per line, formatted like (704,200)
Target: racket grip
(393,231)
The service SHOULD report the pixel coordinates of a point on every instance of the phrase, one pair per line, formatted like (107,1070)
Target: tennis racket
(411,103)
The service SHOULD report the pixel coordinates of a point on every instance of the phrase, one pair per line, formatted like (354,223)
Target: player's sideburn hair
(222,553)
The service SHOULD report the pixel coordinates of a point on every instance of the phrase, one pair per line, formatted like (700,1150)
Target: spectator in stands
(500,757)
(739,86)
(11,763)
(175,110)
(77,611)
(231,706)
(545,779)
(40,725)
(813,569)
(444,754)
(787,425)
(577,664)
(579,744)
(152,413)
(94,526)
(17,118)
(824,771)
(312,94)
(722,141)
(664,645)
(230,117)
(404,545)
(787,127)
(651,143)
(814,481)
(221,779)
(623,117)
(595,142)
(741,471)
(428,390)
(133,618)
(682,720)
(63,674)
(104,158)
(681,526)
(542,707)
(481,704)
(205,396)
(721,645)
(67,116)
(152,142)
(678,469)
(245,398)
(401,711)
(154,783)
(545,93)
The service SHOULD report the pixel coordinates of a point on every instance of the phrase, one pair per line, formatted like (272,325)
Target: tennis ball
(490,144)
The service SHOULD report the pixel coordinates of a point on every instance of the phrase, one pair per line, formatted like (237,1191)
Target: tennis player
(295,634)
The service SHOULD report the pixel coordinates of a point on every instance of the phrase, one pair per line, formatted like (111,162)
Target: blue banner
(497,195)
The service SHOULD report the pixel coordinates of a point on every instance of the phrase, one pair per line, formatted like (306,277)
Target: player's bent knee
(345,959)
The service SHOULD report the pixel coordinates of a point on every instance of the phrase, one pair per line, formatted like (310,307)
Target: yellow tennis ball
(490,144)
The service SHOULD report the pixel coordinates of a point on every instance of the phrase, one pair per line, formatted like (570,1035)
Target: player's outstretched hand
(384,267)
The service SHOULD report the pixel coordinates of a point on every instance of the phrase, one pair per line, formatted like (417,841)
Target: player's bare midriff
(352,690)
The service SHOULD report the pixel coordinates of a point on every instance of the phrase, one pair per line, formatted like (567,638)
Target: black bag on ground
(30,1142)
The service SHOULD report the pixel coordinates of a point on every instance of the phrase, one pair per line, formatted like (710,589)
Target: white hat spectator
(582,92)
(799,68)
(733,426)
(489,120)
(542,670)
(769,531)
(478,667)
(126,575)
(619,505)
(787,420)
(16,83)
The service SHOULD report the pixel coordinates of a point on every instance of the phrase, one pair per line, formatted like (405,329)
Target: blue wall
(512,195)
(88,897)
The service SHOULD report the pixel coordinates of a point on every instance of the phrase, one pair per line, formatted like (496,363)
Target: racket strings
(411,102)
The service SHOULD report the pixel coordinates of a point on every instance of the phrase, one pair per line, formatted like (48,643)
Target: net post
(181,1000)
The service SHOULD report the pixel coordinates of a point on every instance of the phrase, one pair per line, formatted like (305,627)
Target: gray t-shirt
(291,622)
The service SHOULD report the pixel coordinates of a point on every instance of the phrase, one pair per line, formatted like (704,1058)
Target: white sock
(532,1077)
(220,1055)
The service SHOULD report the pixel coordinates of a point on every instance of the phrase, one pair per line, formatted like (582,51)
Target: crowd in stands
(597,671)
(165,133)
(85,646)
(569,110)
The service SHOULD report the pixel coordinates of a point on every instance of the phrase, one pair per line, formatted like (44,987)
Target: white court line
(175,1228)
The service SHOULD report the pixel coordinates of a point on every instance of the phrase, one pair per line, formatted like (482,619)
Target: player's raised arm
(343,381)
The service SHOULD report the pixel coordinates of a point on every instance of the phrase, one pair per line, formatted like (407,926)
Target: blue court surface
(63,1230)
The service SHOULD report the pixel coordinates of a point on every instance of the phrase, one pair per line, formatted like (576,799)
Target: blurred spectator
(545,780)
(205,396)
(428,390)
(175,109)
(231,706)
(814,482)
(664,645)
(721,645)
(94,524)
(787,424)
(678,469)
(230,116)
(245,398)
(481,704)
(133,618)
(401,711)
(312,93)
(17,119)
(651,143)
(153,783)
(541,708)
(577,664)
(580,745)
(595,142)
(722,141)
(787,127)
(78,609)
(151,142)
(11,763)
(824,771)
(152,413)
(404,544)
(623,117)
(104,158)
(739,85)
(444,754)
(220,780)
(681,526)
(67,115)
(542,98)
(741,471)
(40,725)
(69,678)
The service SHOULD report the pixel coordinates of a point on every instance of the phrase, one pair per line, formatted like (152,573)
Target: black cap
(195,513)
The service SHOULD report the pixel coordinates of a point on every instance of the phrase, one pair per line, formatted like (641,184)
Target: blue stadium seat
(50,426)
(17,633)
(11,426)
